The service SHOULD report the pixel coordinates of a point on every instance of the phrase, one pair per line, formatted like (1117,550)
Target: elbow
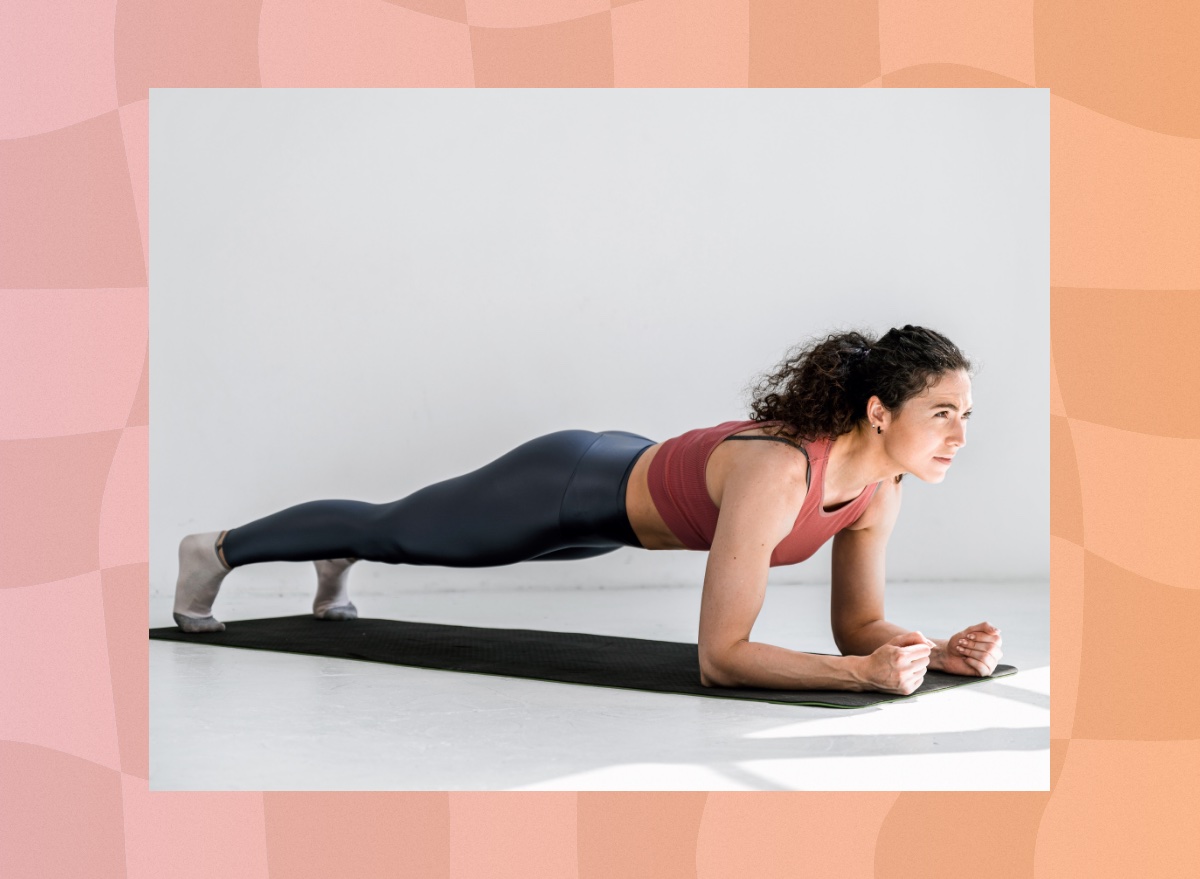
(714,669)
(707,679)
(847,641)
(848,648)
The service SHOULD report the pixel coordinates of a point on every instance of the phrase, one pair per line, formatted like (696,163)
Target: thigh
(504,512)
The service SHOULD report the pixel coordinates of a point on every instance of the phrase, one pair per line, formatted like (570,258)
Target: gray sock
(332,601)
(200,576)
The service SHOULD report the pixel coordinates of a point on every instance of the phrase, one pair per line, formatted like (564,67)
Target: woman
(839,423)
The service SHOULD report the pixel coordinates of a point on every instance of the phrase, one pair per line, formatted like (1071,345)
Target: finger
(975,644)
(981,627)
(924,639)
(971,648)
(980,667)
(982,655)
(916,650)
(993,658)
(985,653)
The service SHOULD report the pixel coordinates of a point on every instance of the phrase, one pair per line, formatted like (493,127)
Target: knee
(378,539)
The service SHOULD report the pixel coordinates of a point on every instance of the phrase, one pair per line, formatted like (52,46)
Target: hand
(974,651)
(899,665)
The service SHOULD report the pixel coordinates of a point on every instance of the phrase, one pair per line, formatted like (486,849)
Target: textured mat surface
(566,657)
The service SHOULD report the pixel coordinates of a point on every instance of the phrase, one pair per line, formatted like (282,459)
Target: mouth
(945,461)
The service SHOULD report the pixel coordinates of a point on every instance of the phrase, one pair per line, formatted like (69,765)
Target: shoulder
(757,511)
(761,462)
(759,489)
(883,509)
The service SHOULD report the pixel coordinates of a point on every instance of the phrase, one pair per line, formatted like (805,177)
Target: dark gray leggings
(560,496)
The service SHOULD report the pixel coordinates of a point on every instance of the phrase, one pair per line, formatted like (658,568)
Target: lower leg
(309,532)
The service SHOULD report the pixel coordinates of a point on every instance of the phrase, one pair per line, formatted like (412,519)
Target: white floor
(231,719)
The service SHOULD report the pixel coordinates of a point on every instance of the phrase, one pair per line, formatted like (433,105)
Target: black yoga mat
(567,657)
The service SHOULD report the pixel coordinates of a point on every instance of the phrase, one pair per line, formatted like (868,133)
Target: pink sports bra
(679,492)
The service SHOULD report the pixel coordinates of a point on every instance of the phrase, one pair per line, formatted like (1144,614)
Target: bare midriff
(652,532)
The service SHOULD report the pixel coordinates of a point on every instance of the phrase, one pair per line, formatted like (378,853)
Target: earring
(878,429)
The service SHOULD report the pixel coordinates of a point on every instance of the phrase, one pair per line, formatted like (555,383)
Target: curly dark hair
(822,386)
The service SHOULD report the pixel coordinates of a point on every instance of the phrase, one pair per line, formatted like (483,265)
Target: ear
(877,413)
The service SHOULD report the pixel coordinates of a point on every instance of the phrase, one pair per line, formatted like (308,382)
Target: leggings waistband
(593,507)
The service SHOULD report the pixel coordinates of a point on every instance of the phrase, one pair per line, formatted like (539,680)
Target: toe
(341,612)
(198,624)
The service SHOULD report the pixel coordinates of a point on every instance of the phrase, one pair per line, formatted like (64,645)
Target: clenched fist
(899,665)
(974,651)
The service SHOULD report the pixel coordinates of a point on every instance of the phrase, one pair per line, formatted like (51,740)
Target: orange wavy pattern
(1125,148)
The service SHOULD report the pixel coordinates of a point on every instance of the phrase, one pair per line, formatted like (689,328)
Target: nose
(959,436)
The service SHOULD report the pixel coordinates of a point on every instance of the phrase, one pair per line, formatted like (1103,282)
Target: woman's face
(928,431)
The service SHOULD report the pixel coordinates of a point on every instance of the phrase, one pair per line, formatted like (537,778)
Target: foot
(333,597)
(200,576)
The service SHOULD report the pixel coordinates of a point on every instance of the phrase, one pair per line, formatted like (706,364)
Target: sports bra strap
(780,439)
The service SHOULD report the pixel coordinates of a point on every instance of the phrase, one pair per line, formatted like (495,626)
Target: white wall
(355,293)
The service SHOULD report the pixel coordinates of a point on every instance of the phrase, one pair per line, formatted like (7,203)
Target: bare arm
(856,605)
(759,502)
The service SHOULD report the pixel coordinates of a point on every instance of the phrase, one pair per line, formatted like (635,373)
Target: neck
(856,460)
